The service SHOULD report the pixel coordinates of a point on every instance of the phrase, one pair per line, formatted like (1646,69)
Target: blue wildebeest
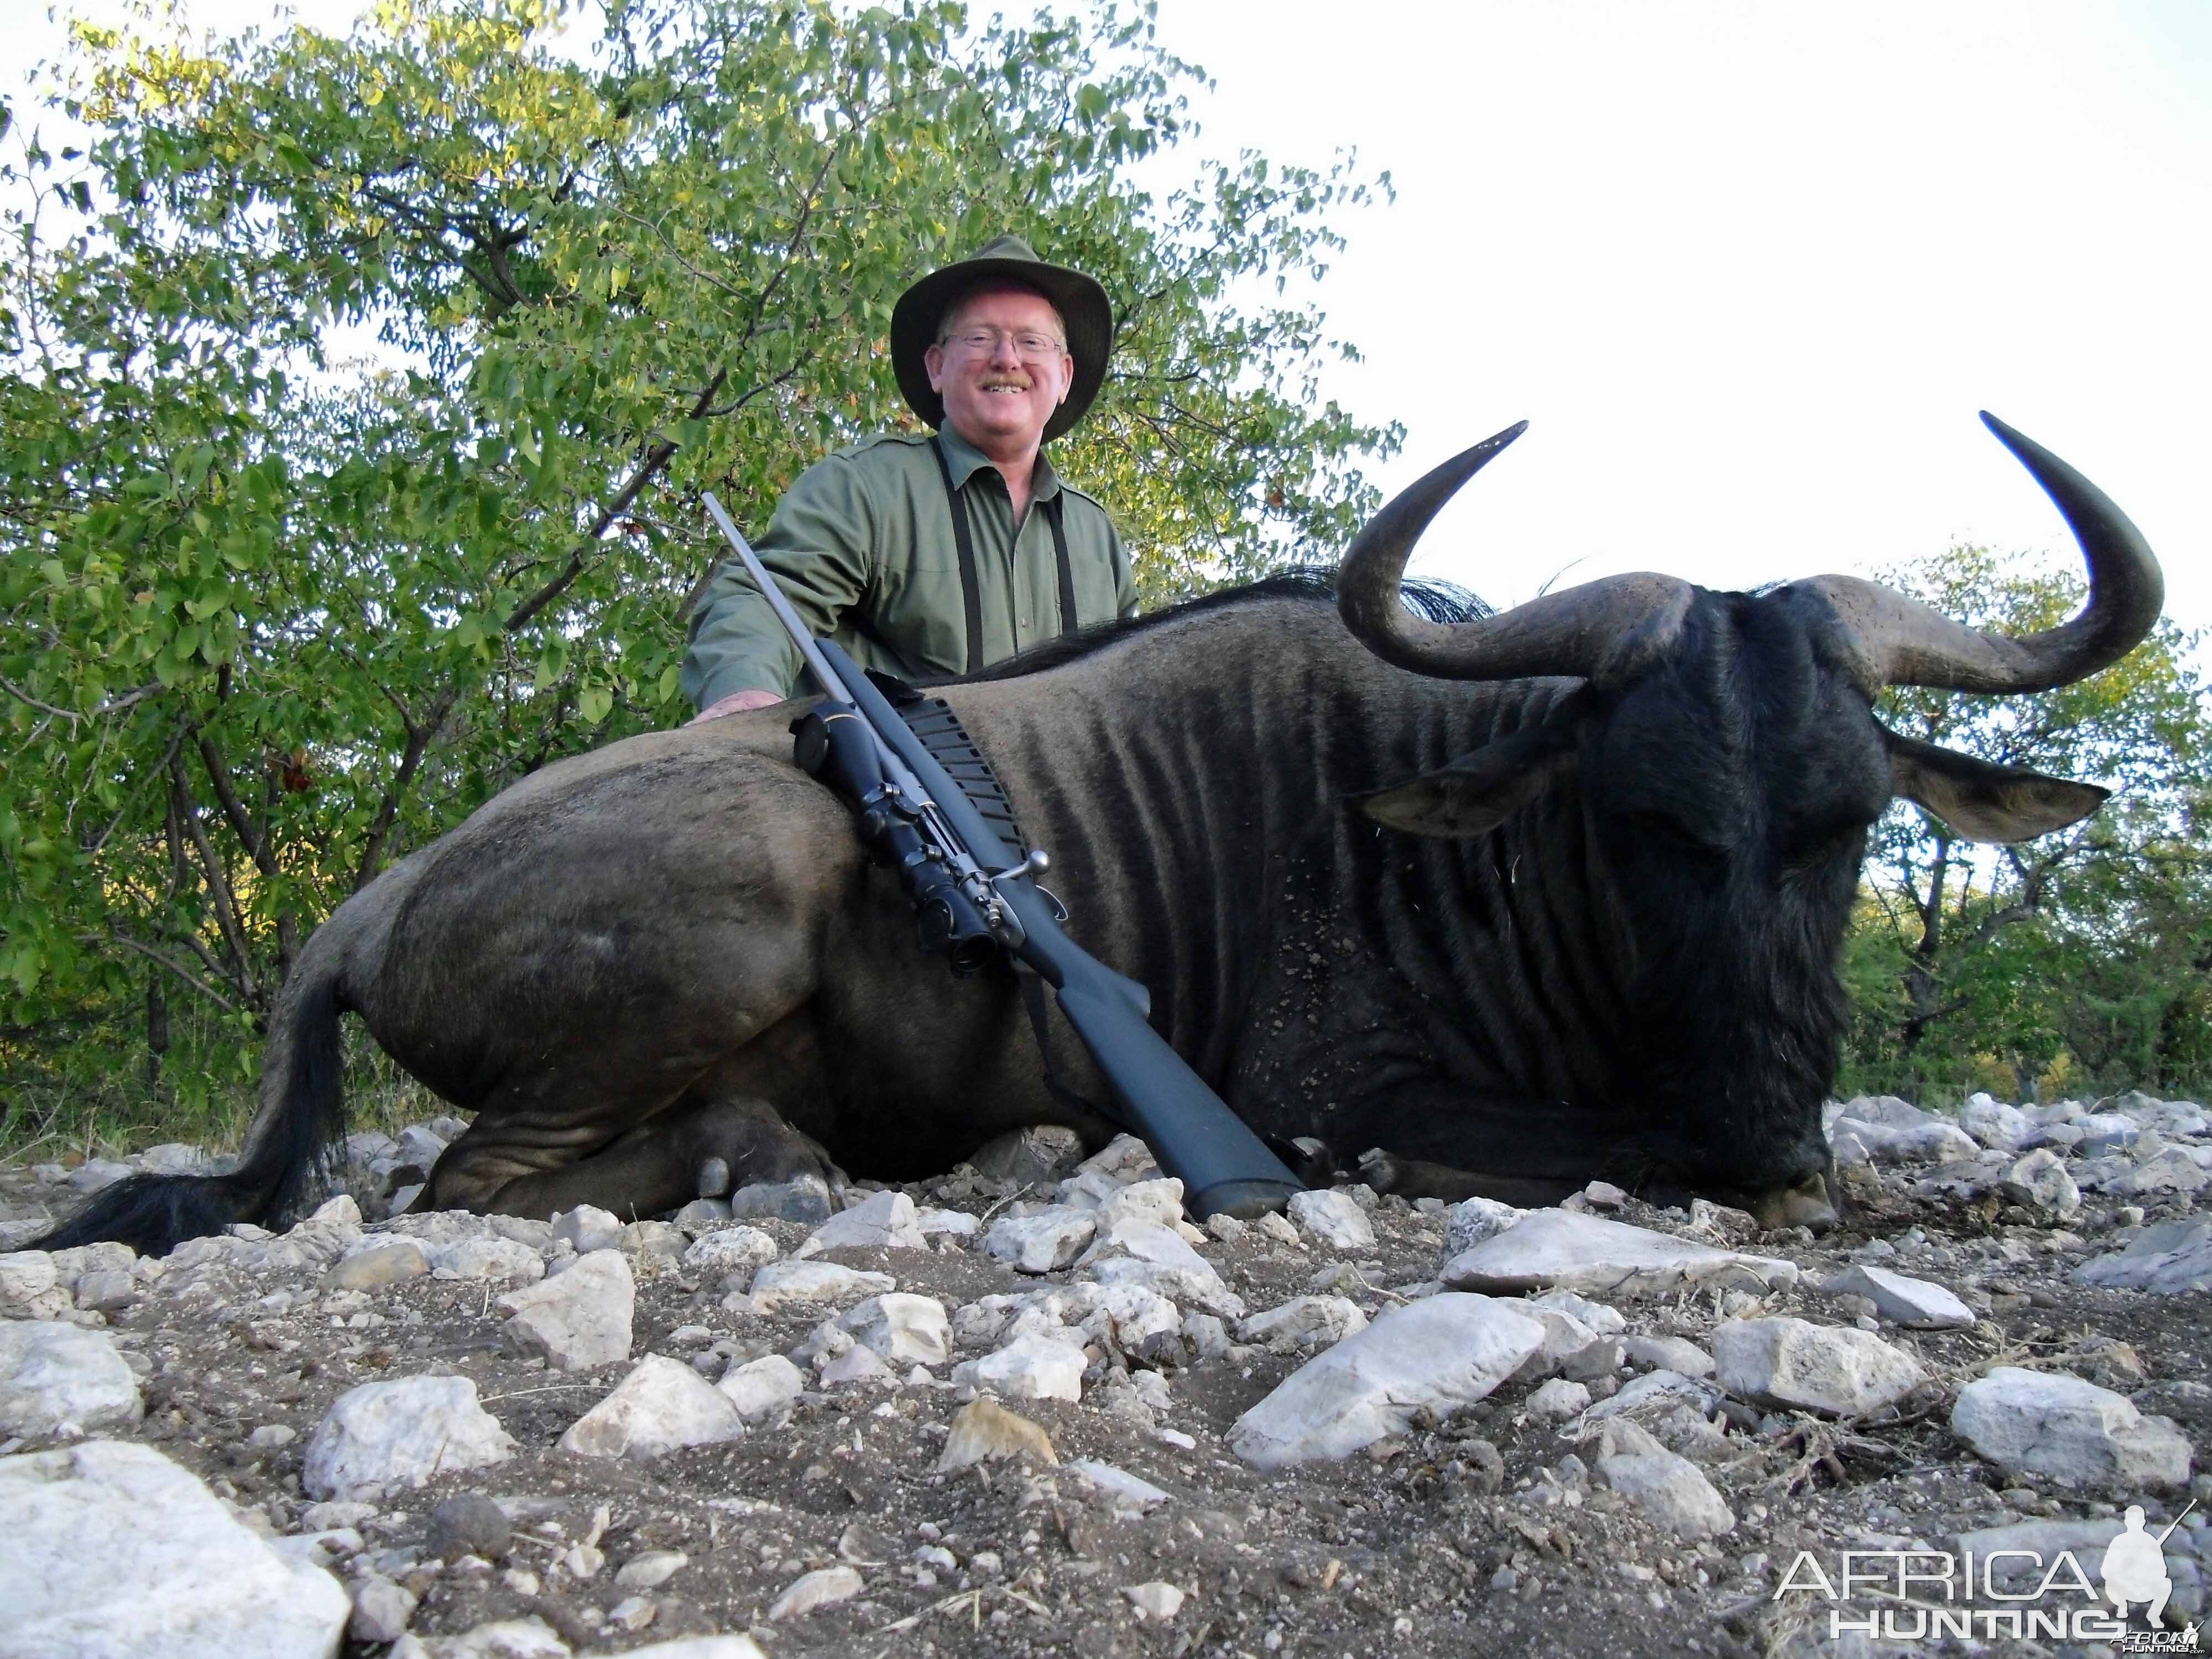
(1521,900)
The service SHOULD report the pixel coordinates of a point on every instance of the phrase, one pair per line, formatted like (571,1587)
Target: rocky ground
(1030,1408)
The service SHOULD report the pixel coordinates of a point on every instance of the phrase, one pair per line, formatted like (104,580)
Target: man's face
(1002,367)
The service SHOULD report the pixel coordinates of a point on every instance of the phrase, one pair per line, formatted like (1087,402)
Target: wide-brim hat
(1083,308)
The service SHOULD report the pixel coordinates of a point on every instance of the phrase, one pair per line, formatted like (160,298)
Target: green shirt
(863,545)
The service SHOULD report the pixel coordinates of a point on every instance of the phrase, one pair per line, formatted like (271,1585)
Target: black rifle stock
(963,879)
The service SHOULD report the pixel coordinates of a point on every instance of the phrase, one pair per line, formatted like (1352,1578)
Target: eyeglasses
(985,342)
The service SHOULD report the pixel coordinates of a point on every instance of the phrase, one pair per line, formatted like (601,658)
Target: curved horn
(1579,631)
(1904,642)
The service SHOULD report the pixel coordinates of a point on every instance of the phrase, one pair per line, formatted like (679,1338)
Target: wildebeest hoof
(1309,1160)
(713,1177)
(1803,1203)
(1379,1170)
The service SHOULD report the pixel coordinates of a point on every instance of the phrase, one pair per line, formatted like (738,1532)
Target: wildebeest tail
(302,1114)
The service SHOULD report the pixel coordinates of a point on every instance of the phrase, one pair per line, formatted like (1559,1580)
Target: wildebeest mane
(1432,601)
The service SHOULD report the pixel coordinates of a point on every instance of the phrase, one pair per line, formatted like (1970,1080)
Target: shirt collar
(964,461)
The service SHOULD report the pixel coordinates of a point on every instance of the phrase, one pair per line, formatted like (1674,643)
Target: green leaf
(552,662)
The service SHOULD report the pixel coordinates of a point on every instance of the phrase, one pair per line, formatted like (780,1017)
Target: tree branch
(387,812)
(174,966)
(225,907)
(655,458)
(226,793)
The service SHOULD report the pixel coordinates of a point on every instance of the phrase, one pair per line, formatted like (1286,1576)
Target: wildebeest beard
(1520,899)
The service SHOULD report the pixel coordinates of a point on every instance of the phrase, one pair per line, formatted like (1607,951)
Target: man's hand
(735,703)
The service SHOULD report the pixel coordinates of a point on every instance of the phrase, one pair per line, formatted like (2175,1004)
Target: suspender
(964,540)
(971,594)
(1052,513)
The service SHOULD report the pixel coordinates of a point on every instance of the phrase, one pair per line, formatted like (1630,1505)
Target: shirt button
(1025,621)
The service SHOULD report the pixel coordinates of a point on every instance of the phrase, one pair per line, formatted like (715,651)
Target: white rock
(1659,1391)
(2170,1257)
(1835,1368)
(731,1251)
(1443,1352)
(699,1647)
(1156,1600)
(1471,1220)
(95,1173)
(1559,1398)
(2105,1132)
(25,1276)
(959,1223)
(339,1213)
(2050,1424)
(1995,1124)
(1119,1484)
(762,1386)
(381,1610)
(589,1228)
(106,1291)
(1668,1487)
(663,1404)
(1028,1367)
(662,1238)
(501,1260)
(383,1437)
(1304,1321)
(500,1638)
(782,1284)
(1147,1241)
(1089,1189)
(855,1365)
(1559,1249)
(56,1377)
(1667,1353)
(903,1329)
(2041,1180)
(1158,1200)
(1125,1157)
(578,1320)
(115,1552)
(1602,1320)
(821,1588)
(884,1221)
(2172,1171)
(651,1569)
(1042,1241)
(1933,1142)
(804,1199)
(1202,1290)
(1564,1335)
(1890,1111)
(377,1260)
(1902,1301)
(1123,1315)
(1333,1217)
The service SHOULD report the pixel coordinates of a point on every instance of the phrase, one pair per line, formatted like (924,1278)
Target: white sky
(1750,269)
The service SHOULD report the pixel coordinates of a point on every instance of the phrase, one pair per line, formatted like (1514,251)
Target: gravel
(917,1447)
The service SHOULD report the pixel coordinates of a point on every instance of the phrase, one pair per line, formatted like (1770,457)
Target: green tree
(277,606)
(1987,967)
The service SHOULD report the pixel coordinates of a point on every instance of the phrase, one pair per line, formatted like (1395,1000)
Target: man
(946,553)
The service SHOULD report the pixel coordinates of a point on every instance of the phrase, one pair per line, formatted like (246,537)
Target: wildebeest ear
(1478,792)
(1984,802)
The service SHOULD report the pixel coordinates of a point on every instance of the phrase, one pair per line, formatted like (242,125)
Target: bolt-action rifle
(974,899)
